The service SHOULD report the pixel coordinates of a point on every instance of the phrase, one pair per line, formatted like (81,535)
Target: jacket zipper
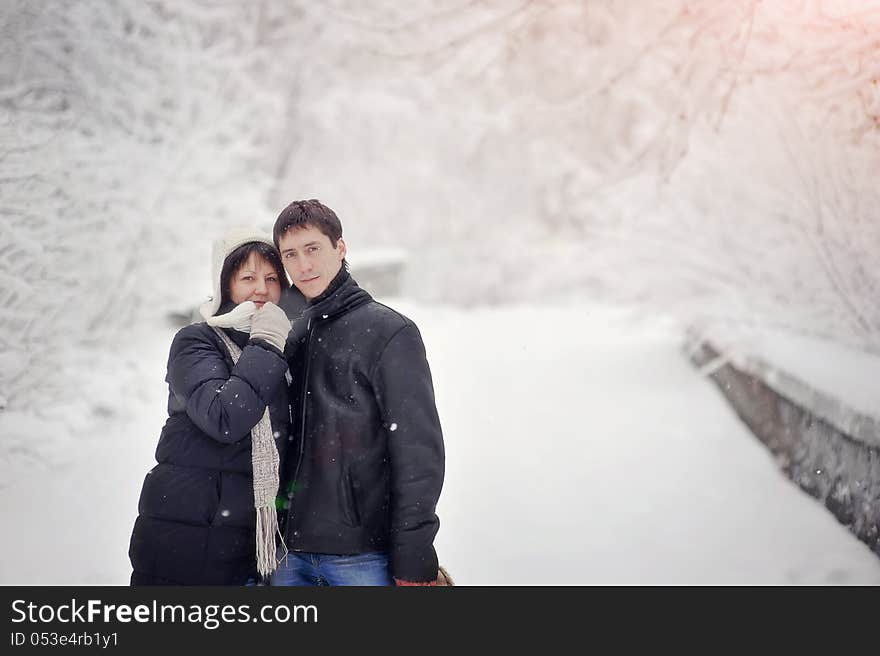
(302,434)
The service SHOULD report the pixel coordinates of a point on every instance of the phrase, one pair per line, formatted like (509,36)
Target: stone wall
(829,450)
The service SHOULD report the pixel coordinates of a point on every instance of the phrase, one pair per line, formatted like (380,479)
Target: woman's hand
(270,324)
(239,318)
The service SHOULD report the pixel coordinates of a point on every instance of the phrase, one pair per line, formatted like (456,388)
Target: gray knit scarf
(264,457)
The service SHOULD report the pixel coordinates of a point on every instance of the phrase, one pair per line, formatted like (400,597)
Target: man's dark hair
(237,258)
(308,213)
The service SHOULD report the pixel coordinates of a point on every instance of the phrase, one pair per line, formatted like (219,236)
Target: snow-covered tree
(715,158)
(132,133)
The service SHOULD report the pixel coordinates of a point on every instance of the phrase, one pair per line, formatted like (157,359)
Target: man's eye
(289,256)
(312,249)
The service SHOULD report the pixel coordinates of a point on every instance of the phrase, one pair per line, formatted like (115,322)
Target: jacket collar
(342,295)
(241,339)
(335,284)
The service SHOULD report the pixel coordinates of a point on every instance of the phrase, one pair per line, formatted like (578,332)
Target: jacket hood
(221,249)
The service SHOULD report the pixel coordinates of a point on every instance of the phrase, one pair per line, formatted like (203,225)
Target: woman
(207,510)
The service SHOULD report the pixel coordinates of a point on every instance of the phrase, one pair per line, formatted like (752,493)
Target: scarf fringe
(267,529)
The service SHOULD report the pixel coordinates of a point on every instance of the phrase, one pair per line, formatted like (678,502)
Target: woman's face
(256,280)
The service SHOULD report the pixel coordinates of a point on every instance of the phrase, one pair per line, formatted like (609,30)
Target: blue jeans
(303,568)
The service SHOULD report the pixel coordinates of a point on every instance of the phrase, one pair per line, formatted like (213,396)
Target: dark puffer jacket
(366,466)
(196,523)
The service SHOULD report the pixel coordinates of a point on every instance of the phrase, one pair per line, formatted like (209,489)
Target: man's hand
(402,584)
(443,579)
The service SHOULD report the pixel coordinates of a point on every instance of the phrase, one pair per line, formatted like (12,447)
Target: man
(366,463)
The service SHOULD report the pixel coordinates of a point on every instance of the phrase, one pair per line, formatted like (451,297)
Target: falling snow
(579,427)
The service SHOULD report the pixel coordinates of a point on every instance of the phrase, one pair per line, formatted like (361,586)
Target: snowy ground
(582,448)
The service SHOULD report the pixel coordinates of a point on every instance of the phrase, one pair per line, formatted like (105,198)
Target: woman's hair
(236,259)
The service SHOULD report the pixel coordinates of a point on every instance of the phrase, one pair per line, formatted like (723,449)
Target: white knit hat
(234,238)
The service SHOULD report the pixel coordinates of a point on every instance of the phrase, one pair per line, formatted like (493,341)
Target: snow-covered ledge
(815,405)
(380,270)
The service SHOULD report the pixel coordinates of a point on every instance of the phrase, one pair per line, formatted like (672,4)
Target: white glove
(239,318)
(271,324)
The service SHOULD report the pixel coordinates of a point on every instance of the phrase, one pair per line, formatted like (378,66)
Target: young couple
(303,452)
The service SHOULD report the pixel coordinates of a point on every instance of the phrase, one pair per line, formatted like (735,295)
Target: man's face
(310,259)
